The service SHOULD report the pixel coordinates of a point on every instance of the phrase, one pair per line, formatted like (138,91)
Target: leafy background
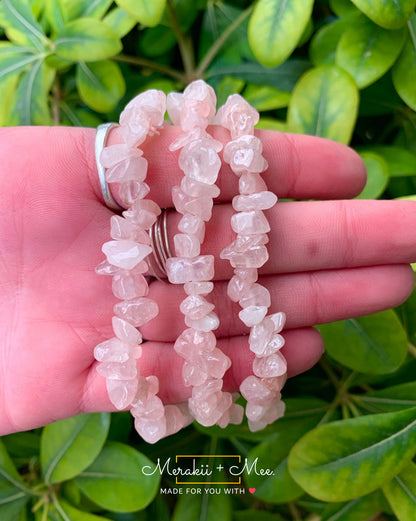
(341,69)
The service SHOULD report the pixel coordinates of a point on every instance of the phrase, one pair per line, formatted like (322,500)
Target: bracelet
(248,253)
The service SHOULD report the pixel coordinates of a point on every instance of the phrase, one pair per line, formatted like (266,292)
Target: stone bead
(260,336)
(236,412)
(255,391)
(279,320)
(137,311)
(254,257)
(143,213)
(275,384)
(187,137)
(238,116)
(130,169)
(122,228)
(192,225)
(121,392)
(242,244)
(199,90)
(191,343)
(199,206)
(181,270)
(249,274)
(208,388)
(270,366)
(198,288)
(126,332)
(199,161)
(150,408)
(249,223)
(254,412)
(112,155)
(118,371)
(217,363)
(114,350)
(175,420)
(237,287)
(125,254)
(275,344)
(256,201)
(173,106)
(251,183)
(269,414)
(193,374)
(105,268)
(127,285)
(195,188)
(244,154)
(196,307)
(194,113)
(207,323)
(255,295)
(150,430)
(186,245)
(136,137)
(130,191)
(252,315)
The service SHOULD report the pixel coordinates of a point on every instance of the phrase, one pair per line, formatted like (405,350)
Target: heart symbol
(251,490)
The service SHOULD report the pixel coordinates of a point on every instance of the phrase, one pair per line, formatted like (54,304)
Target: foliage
(341,69)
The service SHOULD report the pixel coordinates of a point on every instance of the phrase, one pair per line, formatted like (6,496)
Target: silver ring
(100,142)
(161,251)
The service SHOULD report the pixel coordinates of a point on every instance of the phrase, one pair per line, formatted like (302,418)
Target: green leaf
(100,84)
(69,446)
(115,480)
(227,86)
(394,398)
(342,7)
(63,511)
(387,13)
(13,492)
(367,51)
(404,71)
(324,42)
(55,14)
(302,415)
(145,12)
(275,28)
(346,459)
(378,176)
(361,508)
(203,507)
(120,21)
(258,515)
(324,103)
(401,162)
(22,444)
(266,98)
(87,39)
(21,26)
(272,124)
(85,8)
(374,344)
(15,59)
(401,493)
(156,41)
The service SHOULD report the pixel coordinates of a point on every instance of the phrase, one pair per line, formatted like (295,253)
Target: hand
(329,260)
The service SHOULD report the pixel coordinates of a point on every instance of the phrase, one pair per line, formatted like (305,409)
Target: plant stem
(326,366)
(142,62)
(184,43)
(294,511)
(216,46)
(412,349)
(56,101)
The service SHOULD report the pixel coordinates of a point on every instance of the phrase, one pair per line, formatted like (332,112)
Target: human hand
(329,260)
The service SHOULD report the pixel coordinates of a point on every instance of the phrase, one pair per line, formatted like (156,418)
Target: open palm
(329,260)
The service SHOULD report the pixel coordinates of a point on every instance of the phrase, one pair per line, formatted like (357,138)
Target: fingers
(306,298)
(302,349)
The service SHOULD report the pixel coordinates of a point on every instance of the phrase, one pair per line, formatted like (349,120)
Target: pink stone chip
(237,287)
(255,391)
(192,342)
(143,212)
(186,245)
(245,155)
(125,254)
(252,315)
(251,184)
(279,320)
(118,371)
(121,392)
(260,336)
(181,270)
(208,323)
(137,311)
(257,201)
(175,419)
(192,225)
(196,307)
(122,228)
(250,222)
(126,332)
(254,257)
(128,284)
(198,288)
(238,116)
(114,350)
(199,206)
(270,366)
(131,169)
(197,189)
(200,161)
(255,295)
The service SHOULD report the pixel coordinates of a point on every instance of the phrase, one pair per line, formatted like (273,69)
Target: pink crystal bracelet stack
(127,261)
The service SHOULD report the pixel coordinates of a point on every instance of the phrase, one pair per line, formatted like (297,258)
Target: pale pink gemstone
(276,343)
(187,137)
(255,257)
(254,391)
(186,245)
(257,201)
(256,295)
(128,285)
(175,420)
(122,228)
(200,161)
(244,154)
(260,336)
(224,403)
(148,107)
(129,191)
(224,420)
(193,374)
(105,268)
(238,116)
(256,426)
(125,254)
(130,169)
(199,206)
(272,411)
(143,212)
(121,392)
(249,274)
(192,225)
(254,412)
(249,223)
(150,408)
(236,412)
(204,409)
(196,307)
(152,384)
(173,105)
(279,320)
(114,350)
(245,242)
(251,183)
(194,113)
(187,416)
(208,388)
(118,371)
(252,315)
(195,188)
(134,135)
(112,155)
(198,269)
(137,311)
(217,363)
(198,288)
(199,90)
(270,366)
(151,430)
(275,384)
(207,323)
(126,332)
(142,267)
(192,342)
(237,287)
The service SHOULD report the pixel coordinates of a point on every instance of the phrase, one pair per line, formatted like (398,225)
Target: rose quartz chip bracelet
(125,262)
(248,253)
